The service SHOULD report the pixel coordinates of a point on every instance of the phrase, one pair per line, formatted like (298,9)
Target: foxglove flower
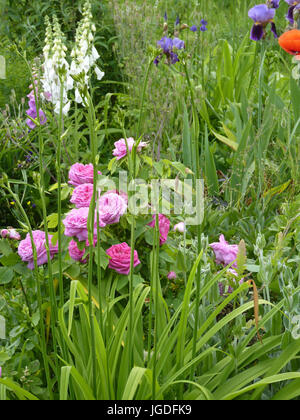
(84,53)
(56,71)
(32,111)
(262,15)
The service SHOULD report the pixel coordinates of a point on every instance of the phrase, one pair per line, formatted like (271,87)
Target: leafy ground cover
(150,200)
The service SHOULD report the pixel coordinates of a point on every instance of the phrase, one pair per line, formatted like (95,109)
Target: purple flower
(194,28)
(294,5)
(261,15)
(32,111)
(177,21)
(168,45)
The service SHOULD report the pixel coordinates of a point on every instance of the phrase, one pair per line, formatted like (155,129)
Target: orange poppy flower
(290,42)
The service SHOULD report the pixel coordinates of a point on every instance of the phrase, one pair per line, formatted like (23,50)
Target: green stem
(59,218)
(155,275)
(91,223)
(53,319)
(197,175)
(42,335)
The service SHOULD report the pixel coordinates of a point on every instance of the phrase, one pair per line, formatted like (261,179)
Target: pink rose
(121,193)
(164,227)
(82,195)
(75,253)
(120,258)
(120,150)
(76,223)
(11,234)
(225,253)
(111,207)
(81,174)
(26,253)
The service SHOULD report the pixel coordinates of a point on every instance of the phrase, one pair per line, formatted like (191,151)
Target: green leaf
(6,275)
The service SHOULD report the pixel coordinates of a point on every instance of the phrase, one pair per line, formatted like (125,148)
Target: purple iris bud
(177,21)
(166,17)
(194,28)
(261,15)
(273,4)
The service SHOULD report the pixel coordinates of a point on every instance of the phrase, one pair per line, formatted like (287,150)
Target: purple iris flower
(166,17)
(168,45)
(194,28)
(294,5)
(203,22)
(261,15)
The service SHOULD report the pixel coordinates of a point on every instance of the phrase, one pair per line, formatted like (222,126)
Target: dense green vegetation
(189,319)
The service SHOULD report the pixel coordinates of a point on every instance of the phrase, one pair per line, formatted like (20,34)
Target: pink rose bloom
(76,223)
(225,253)
(120,258)
(4,233)
(81,174)
(172,275)
(121,193)
(180,227)
(111,207)
(26,253)
(75,253)
(11,234)
(82,195)
(120,150)
(164,227)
